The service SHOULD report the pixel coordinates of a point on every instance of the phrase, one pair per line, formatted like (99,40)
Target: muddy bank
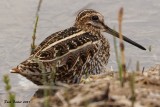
(104,90)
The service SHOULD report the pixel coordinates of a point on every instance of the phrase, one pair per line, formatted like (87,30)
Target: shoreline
(105,90)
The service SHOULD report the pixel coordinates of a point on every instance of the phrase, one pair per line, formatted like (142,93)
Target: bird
(67,55)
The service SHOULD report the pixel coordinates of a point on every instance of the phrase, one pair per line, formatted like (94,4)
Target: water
(141,23)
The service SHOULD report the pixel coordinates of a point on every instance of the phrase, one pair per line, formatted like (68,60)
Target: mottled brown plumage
(68,54)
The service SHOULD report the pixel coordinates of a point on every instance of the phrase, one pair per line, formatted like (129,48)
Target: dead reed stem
(120,17)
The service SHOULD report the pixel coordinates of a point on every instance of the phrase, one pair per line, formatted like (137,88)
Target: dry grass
(11,96)
(33,44)
(122,49)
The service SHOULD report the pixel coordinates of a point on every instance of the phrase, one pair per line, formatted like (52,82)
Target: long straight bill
(116,34)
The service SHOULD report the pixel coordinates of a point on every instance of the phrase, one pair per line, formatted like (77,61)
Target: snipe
(68,54)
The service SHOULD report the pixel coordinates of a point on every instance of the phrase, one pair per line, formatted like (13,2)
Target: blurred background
(17,17)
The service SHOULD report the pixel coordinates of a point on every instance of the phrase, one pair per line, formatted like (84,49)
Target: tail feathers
(15,70)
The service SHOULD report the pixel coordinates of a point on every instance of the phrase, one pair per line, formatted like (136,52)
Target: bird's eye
(95,18)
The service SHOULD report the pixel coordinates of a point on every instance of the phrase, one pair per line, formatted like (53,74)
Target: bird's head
(92,21)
